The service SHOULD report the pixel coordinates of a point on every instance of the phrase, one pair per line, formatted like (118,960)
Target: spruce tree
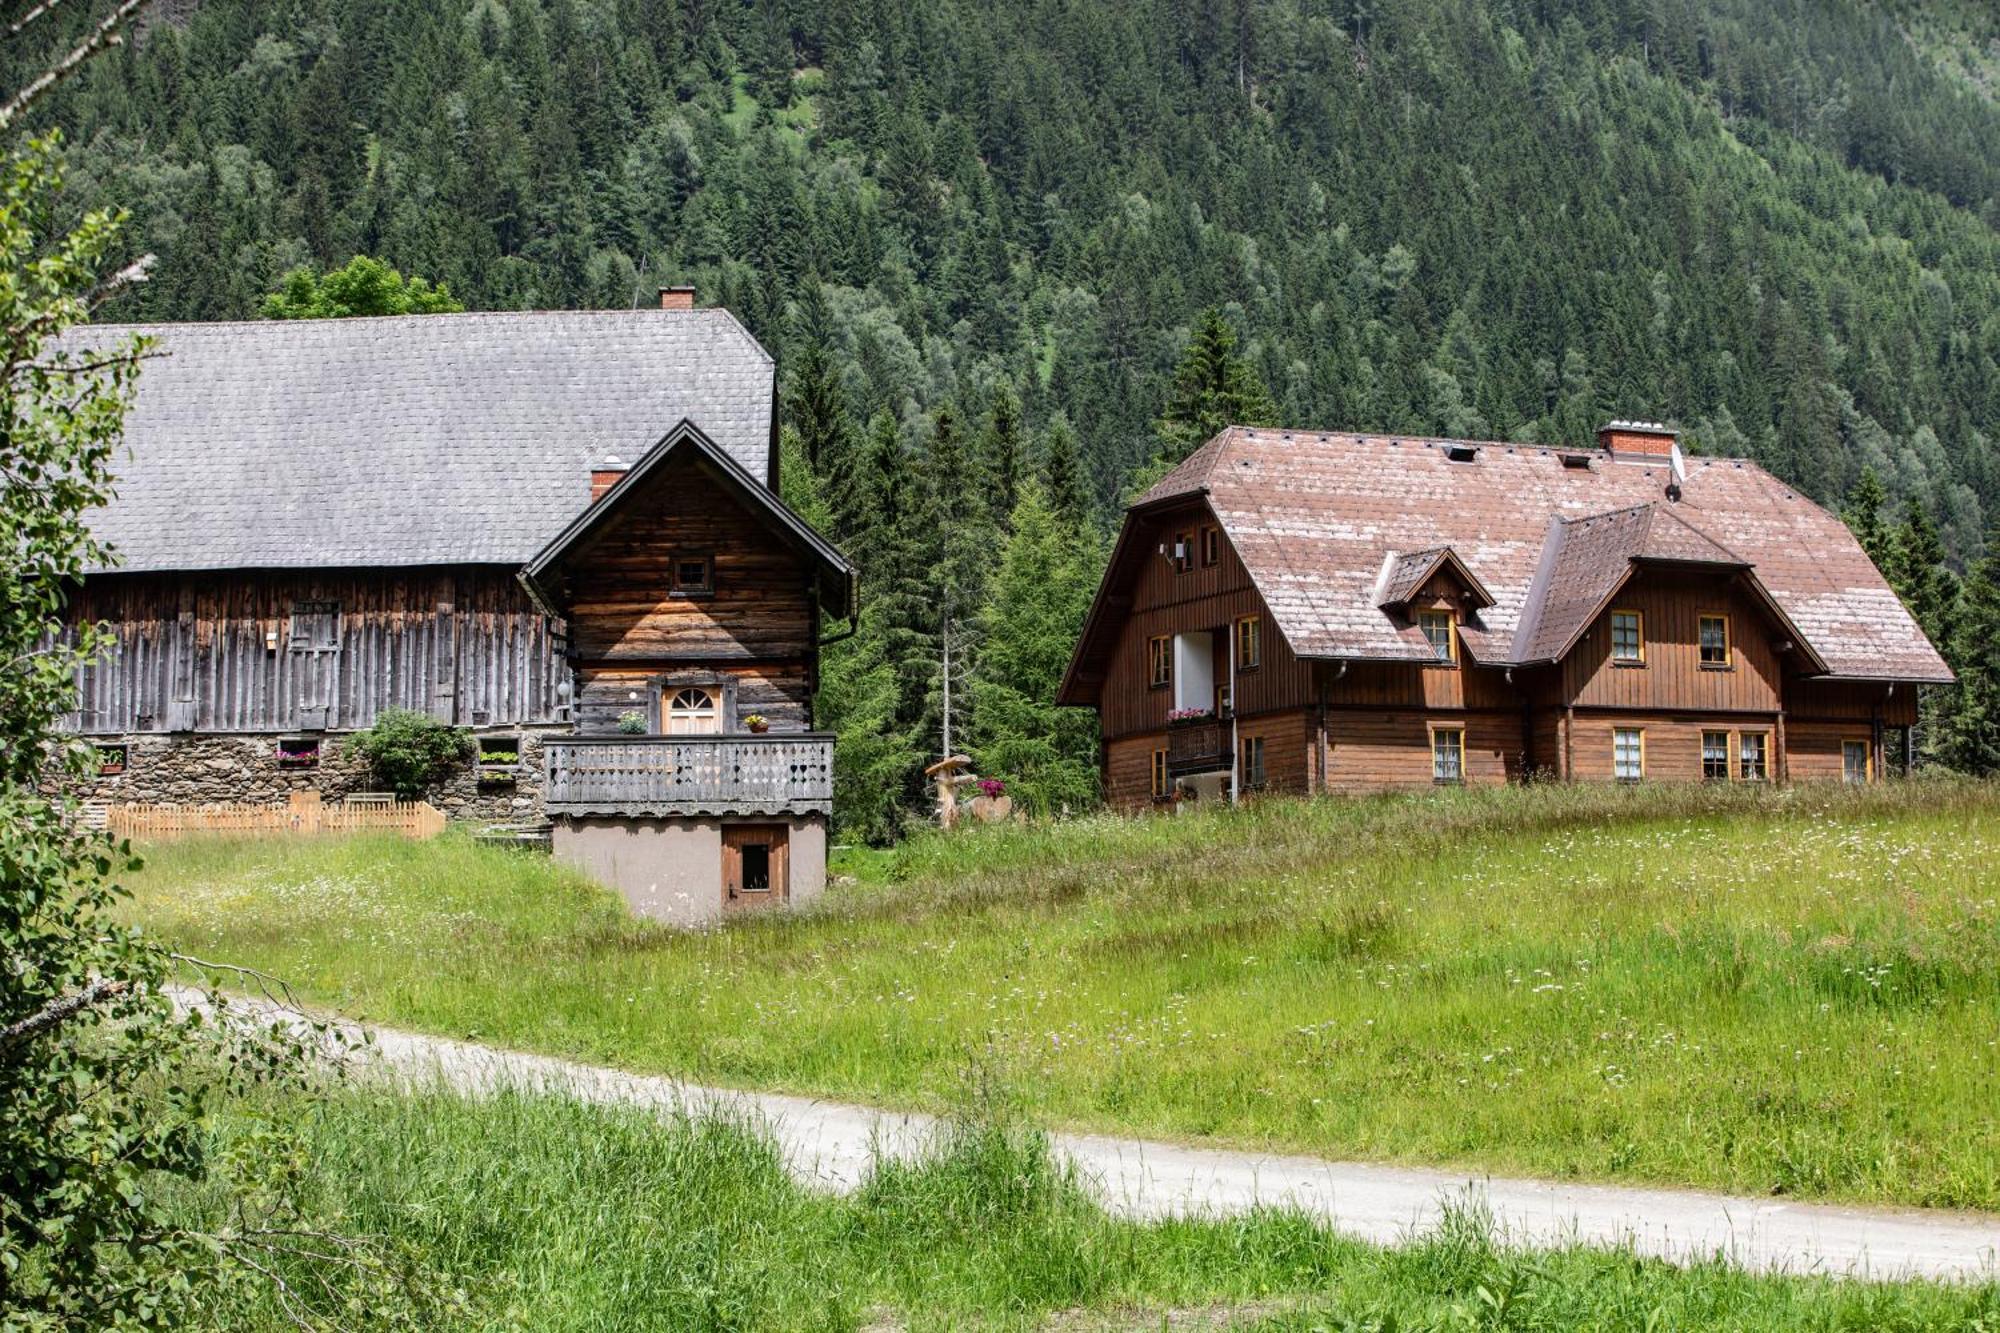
(1213,387)
(1000,449)
(1041,591)
(1970,721)
(1062,476)
(1863,514)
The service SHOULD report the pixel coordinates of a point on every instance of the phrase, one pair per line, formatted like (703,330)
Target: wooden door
(754,866)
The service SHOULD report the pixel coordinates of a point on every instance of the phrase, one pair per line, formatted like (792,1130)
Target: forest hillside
(980,236)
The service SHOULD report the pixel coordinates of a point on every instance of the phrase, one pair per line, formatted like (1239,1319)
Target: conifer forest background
(1014,255)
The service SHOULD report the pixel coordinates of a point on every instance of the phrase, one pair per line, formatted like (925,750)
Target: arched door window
(693,711)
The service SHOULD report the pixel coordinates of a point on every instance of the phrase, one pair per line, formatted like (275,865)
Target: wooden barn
(1333,612)
(557,529)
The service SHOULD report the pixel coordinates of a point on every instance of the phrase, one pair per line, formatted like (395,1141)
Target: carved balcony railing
(1197,745)
(689,775)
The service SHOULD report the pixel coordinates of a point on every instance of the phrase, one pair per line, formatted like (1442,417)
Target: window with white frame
(1628,754)
(1628,637)
(1448,754)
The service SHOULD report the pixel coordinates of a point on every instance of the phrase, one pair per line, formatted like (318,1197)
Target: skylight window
(1461,453)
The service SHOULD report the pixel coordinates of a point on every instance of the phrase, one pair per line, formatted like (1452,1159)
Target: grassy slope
(639,1226)
(1787,991)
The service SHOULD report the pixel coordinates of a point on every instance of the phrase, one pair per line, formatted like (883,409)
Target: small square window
(111,760)
(1440,628)
(1715,641)
(1159,661)
(1628,637)
(1715,756)
(1753,751)
(694,575)
(1628,754)
(1448,755)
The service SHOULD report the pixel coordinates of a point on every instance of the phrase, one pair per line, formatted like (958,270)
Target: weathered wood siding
(216,652)
(632,635)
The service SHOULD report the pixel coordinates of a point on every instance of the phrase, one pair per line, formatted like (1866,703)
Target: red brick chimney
(1638,441)
(605,475)
(676,298)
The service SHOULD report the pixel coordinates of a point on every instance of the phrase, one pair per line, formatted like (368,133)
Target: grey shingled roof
(428,439)
(1314,515)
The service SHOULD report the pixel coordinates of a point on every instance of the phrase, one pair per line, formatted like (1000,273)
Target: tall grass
(549,1215)
(1784,991)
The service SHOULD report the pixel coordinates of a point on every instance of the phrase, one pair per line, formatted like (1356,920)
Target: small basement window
(298,752)
(694,575)
(111,760)
(499,751)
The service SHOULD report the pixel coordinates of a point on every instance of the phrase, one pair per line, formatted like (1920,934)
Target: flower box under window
(298,752)
(111,760)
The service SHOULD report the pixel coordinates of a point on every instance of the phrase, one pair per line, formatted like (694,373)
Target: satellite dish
(1678,462)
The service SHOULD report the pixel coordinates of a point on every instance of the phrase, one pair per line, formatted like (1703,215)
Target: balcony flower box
(1189,717)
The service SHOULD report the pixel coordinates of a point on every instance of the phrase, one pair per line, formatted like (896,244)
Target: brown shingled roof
(1314,517)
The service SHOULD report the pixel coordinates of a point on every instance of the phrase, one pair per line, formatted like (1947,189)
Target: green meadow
(538,1213)
(1792,991)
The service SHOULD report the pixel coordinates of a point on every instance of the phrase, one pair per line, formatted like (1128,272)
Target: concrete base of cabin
(697,870)
(156,769)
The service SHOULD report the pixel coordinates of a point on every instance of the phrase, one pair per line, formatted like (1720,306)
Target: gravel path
(830,1145)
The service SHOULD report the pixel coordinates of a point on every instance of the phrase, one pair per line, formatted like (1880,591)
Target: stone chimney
(605,475)
(1638,441)
(676,298)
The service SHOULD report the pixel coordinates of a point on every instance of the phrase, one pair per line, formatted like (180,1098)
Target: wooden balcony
(689,775)
(1198,746)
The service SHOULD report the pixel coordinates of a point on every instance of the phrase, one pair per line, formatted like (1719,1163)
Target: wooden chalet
(1312,612)
(558,529)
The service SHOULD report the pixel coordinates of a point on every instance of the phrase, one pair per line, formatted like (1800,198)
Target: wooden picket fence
(304,813)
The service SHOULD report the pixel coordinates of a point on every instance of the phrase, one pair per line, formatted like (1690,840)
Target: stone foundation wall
(209,770)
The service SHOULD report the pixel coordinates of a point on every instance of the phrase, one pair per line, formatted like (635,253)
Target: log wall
(277,651)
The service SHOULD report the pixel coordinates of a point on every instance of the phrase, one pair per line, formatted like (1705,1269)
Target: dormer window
(1440,629)
(694,575)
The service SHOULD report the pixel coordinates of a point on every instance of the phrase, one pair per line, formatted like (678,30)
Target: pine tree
(1041,591)
(1970,717)
(1917,571)
(1863,514)
(1000,447)
(816,406)
(1062,477)
(1213,387)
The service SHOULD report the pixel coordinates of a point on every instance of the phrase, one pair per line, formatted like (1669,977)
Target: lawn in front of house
(1786,991)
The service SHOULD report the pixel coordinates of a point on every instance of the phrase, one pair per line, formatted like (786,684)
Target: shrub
(408,750)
